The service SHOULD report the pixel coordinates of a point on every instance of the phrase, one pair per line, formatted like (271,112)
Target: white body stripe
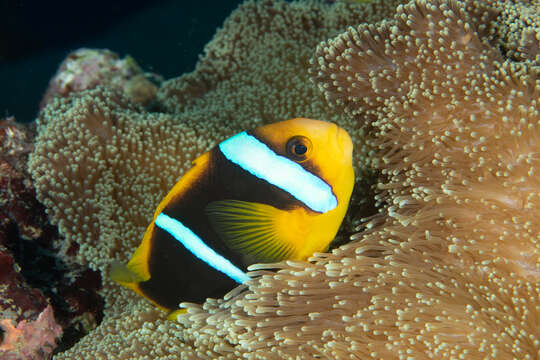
(198,248)
(258,159)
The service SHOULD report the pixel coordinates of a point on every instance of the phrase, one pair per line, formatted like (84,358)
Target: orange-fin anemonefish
(273,193)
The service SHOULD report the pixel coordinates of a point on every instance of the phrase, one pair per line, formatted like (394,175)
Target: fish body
(276,192)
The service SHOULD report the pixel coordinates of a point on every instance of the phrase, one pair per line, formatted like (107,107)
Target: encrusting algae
(439,103)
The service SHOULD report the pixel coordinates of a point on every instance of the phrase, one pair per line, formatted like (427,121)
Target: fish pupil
(300,149)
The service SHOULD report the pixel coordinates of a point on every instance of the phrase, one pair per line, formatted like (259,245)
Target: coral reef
(18,300)
(34,281)
(17,196)
(87,68)
(29,339)
(440,103)
(27,326)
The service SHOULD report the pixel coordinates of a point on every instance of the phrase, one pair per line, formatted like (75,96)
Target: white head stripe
(258,159)
(198,248)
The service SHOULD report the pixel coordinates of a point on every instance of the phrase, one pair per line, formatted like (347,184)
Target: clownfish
(277,192)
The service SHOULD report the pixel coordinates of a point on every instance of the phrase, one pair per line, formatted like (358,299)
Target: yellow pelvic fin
(174,314)
(258,230)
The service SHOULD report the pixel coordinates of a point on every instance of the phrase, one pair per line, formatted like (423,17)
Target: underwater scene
(270,179)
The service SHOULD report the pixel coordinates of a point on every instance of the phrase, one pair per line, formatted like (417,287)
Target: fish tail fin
(130,278)
(123,275)
(136,269)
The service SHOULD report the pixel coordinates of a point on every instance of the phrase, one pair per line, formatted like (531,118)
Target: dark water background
(163,36)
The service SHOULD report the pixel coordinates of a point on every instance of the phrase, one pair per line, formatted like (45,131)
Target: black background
(163,36)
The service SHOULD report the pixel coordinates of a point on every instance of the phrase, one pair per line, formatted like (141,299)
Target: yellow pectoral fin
(261,231)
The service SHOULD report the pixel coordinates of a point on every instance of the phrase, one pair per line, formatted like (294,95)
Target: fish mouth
(344,142)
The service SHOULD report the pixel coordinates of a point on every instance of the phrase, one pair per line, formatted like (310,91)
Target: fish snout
(344,142)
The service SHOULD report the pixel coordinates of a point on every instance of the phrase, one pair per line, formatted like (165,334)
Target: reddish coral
(26,320)
(27,340)
(17,300)
(17,196)
(34,280)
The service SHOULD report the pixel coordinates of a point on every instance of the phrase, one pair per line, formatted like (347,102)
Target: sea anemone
(448,268)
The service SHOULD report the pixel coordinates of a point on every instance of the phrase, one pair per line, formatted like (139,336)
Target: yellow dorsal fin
(260,231)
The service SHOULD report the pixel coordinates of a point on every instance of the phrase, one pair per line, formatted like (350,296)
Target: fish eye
(298,148)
